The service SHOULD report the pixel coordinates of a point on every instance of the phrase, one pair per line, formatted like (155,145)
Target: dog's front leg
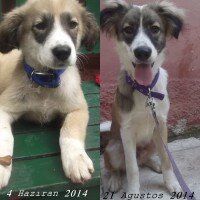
(132,171)
(168,174)
(6,148)
(76,163)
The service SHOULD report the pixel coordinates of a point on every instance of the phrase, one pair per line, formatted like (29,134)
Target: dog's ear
(172,16)
(111,15)
(90,30)
(9,30)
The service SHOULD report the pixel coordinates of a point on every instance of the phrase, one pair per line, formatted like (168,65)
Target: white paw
(173,186)
(135,193)
(154,165)
(134,190)
(157,168)
(76,163)
(78,167)
(5,173)
(114,183)
(172,183)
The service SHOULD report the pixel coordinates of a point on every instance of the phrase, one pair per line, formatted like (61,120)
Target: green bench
(37,164)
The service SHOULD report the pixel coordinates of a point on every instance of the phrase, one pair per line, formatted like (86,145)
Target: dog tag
(6,161)
(150,101)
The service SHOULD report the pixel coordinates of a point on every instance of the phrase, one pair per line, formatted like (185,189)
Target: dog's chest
(45,110)
(142,122)
(46,105)
(140,119)
(43,106)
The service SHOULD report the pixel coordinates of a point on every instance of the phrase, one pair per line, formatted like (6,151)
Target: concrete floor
(187,156)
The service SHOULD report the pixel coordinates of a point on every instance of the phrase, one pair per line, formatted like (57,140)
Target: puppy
(41,80)
(140,34)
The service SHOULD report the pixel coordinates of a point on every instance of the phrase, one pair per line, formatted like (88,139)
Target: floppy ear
(91,30)
(172,16)
(111,15)
(9,30)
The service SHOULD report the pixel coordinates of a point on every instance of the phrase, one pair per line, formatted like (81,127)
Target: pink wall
(182,64)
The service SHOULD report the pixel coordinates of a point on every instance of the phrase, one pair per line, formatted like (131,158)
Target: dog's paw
(5,173)
(173,187)
(114,183)
(134,189)
(78,166)
(172,183)
(154,165)
(76,163)
(135,192)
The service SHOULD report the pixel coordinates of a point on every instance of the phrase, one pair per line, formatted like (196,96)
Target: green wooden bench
(37,164)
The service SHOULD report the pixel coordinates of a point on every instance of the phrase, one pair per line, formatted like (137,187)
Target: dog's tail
(105,126)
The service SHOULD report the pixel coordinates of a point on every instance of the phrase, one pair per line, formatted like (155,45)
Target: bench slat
(93,100)
(89,87)
(46,143)
(29,127)
(46,174)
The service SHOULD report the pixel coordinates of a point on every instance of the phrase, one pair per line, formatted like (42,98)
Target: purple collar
(145,89)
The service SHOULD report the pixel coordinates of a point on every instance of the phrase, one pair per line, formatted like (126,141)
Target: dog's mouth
(60,65)
(143,73)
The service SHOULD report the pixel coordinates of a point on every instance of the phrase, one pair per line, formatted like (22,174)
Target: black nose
(62,52)
(142,53)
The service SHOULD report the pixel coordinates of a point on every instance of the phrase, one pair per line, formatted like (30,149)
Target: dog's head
(48,32)
(140,33)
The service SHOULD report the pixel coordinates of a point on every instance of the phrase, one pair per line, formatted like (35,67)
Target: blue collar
(49,79)
(145,89)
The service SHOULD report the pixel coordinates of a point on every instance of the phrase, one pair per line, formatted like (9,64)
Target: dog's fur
(133,130)
(36,28)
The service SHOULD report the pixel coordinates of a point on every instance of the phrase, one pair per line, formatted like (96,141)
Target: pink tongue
(143,74)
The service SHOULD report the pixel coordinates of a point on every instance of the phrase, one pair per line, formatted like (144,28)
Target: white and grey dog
(140,34)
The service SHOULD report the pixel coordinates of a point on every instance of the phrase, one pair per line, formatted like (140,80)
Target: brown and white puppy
(140,34)
(48,33)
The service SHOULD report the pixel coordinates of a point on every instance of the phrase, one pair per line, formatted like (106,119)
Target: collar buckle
(47,75)
(47,79)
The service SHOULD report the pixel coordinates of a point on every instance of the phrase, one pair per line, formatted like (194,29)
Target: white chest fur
(140,120)
(44,103)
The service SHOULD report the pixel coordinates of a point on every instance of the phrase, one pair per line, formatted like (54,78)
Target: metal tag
(150,101)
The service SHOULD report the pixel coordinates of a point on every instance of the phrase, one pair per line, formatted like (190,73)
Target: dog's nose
(142,53)
(62,52)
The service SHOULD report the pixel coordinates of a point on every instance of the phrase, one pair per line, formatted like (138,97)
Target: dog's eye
(155,29)
(73,24)
(41,26)
(128,30)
